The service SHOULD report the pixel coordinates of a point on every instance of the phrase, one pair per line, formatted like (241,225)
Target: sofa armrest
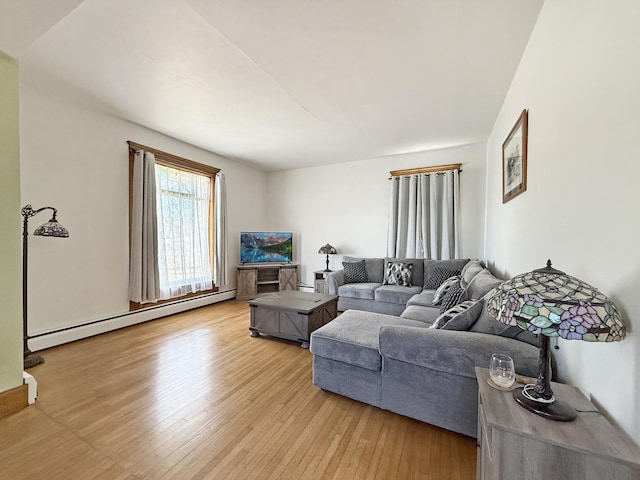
(454,352)
(334,280)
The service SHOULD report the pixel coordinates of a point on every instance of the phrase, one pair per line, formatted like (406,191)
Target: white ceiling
(280,83)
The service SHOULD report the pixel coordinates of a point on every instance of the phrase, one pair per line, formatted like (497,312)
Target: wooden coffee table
(291,315)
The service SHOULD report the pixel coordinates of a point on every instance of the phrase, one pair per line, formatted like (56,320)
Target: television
(263,247)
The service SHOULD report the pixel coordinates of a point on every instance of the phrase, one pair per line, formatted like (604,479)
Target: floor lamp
(50,229)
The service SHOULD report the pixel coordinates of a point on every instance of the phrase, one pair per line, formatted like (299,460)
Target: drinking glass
(502,370)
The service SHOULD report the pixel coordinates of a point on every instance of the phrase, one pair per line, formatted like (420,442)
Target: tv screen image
(260,247)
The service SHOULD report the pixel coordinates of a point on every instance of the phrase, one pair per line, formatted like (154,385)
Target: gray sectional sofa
(398,363)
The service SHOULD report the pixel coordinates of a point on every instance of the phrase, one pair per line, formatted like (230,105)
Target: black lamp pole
(50,229)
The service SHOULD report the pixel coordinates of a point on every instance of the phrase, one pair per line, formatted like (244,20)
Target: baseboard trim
(45,340)
(14,400)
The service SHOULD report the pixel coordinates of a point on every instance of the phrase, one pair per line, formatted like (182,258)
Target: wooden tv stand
(257,278)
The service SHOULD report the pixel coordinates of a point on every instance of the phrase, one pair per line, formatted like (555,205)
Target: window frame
(180,163)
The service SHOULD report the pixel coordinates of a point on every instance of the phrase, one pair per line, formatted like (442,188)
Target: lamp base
(558,410)
(31,360)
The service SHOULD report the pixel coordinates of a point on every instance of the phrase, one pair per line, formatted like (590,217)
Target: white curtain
(144,280)
(220,260)
(183,223)
(423,216)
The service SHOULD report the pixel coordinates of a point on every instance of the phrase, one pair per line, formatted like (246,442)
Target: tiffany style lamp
(50,229)
(327,250)
(550,303)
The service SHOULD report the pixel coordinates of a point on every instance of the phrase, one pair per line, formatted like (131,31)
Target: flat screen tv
(261,247)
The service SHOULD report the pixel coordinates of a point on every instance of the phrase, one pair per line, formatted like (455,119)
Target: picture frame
(514,160)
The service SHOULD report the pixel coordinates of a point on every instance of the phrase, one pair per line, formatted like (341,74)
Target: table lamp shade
(550,302)
(327,250)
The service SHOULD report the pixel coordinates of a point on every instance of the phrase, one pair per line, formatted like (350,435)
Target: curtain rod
(422,170)
(184,162)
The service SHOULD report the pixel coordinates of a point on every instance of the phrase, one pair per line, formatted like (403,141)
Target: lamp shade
(550,302)
(327,250)
(51,229)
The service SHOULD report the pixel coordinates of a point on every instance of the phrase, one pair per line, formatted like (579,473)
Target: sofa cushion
(470,270)
(417,272)
(439,276)
(430,265)
(395,294)
(358,290)
(487,324)
(459,317)
(452,297)
(422,313)
(374,266)
(352,338)
(424,299)
(444,288)
(355,272)
(480,284)
(397,273)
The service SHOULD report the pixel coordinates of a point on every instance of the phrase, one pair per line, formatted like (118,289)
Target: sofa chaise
(404,364)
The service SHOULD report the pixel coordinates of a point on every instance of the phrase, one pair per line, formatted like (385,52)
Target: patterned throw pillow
(444,288)
(398,273)
(463,314)
(355,272)
(452,297)
(438,276)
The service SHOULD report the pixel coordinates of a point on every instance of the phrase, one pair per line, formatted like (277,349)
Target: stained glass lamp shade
(550,303)
(327,250)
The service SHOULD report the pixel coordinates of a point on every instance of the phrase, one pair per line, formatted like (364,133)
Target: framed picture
(514,160)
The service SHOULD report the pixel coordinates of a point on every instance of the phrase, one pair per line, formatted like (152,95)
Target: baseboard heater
(72,333)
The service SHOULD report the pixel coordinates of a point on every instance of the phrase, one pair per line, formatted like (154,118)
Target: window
(184,226)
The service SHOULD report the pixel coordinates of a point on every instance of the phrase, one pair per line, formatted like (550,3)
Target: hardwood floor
(192,396)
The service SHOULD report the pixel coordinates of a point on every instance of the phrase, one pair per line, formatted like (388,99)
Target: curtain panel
(220,222)
(144,278)
(424,216)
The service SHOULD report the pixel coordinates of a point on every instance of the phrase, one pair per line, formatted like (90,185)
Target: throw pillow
(398,273)
(452,297)
(444,288)
(355,272)
(465,319)
(438,276)
(452,313)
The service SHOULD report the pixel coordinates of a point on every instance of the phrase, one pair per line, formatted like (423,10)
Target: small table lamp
(327,250)
(550,303)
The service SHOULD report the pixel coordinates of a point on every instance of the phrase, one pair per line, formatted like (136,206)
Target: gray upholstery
(401,365)
(354,339)
(424,299)
(481,284)
(395,294)
(418,312)
(470,270)
(349,303)
(358,290)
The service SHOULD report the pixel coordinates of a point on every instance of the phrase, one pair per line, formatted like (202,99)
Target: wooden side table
(515,443)
(319,282)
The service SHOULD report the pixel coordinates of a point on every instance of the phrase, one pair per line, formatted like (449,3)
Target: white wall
(579,78)
(76,159)
(10,239)
(347,204)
